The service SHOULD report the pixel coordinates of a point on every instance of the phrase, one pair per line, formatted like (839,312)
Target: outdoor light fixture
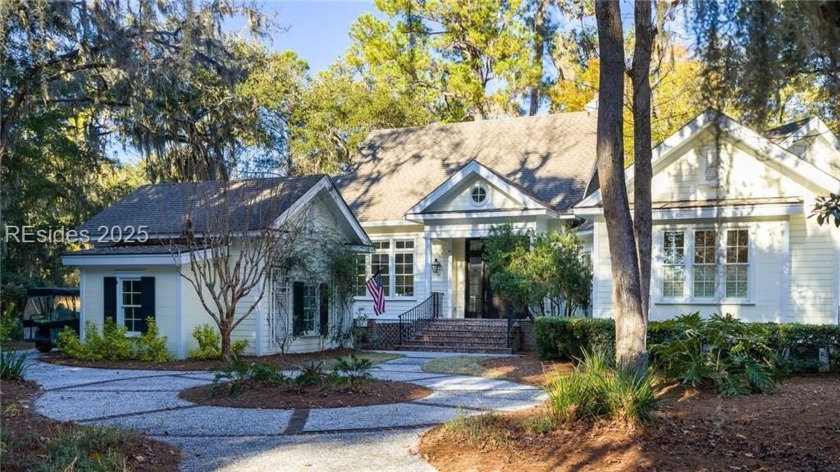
(436,267)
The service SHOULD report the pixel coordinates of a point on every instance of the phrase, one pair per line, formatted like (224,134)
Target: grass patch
(487,428)
(13,365)
(373,357)
(461,365)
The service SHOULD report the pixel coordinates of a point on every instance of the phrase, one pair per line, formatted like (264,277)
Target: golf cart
(48,310)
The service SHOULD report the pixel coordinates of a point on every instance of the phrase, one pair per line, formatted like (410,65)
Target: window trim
(479,187)
(689,297)
(391,276)
(120,320)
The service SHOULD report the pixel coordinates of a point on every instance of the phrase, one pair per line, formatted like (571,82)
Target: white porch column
(427,266)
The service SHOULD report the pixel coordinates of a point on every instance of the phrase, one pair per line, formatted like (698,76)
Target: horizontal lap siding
(812,260)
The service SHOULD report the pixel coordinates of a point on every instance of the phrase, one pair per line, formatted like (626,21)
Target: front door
(481,302)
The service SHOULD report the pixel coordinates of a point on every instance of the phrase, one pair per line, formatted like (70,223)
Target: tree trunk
(629,318)
(640,73)
(539,51)
(225,330)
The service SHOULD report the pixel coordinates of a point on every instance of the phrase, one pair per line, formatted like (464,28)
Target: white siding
(166,299)
(812,265)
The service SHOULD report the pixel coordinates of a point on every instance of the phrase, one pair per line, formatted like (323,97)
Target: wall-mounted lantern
(436,267)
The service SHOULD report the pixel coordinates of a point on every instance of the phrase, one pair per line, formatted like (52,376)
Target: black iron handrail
(416,320)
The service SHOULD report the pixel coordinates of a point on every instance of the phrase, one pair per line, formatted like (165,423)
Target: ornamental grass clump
(597,389)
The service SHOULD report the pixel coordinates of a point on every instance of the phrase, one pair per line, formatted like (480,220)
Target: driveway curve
(377,437)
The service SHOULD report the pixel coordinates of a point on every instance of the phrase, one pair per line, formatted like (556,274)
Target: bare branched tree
(235,233)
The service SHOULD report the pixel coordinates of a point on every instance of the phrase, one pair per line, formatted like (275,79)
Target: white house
(731,232)
(131,272)
(426,196)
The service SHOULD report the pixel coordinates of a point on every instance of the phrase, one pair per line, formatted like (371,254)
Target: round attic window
(479,195)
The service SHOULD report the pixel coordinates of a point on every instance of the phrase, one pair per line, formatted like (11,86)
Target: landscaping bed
(34,442)
(376,392)
(794,429)
(282,362)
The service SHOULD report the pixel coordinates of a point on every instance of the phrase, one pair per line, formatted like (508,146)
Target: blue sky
(318,30)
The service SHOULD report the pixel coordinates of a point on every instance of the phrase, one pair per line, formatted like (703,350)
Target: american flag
(374,286)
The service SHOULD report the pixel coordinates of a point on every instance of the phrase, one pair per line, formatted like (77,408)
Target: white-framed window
(478,195)
(737,263)
(130,309)
(673,266)
(705,263)
(310,309)
(394,259)
(718,268)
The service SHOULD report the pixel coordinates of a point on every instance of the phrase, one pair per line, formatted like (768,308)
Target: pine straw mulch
(526,368)
(795,429)
(377,392)
(27,435)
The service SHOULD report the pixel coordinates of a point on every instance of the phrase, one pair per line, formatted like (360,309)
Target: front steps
(462,335)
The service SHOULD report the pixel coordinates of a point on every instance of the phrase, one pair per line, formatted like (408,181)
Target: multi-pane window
(673,277)
(717,269)
(310,307)
(705,248)
(394,259)
(130,306)
(361,275)
(737,263)
(404,268)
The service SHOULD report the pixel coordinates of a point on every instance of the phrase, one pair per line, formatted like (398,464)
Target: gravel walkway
(378,437)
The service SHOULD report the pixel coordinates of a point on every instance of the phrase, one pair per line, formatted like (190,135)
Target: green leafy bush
(568,337)
(597,389)
(13,364)
(310,373)
(113,343)
(11,328)
(354,370)
(722,352)
(239,375)
(210,344)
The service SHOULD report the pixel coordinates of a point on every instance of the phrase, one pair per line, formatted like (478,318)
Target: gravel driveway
(378,437)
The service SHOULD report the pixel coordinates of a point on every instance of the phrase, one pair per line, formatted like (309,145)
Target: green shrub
(310,373)
(150,346)
(568,337)
(13,364)
(113,343)
(239,375)
(210,344)
(354,370)
(722,352)
(11,328)
(597,389)
(89,448)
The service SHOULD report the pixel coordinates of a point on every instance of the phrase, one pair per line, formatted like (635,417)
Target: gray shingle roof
(551,157)
(780,133)
(164,208)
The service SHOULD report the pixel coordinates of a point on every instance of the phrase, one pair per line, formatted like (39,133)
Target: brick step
(456,344)
(444,331)
(461,337)
(470,322)
(464,341)
(462,349)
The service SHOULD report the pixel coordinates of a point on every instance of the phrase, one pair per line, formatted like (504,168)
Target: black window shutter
(110,298)
(297,309)
(324,320)
(147,302)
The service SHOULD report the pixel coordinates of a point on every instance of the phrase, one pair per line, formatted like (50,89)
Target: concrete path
(378,437)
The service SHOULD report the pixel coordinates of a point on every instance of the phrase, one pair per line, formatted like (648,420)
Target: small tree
(235,233)
(531,270)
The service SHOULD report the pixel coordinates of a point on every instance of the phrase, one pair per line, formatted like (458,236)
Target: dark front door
(481,302)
